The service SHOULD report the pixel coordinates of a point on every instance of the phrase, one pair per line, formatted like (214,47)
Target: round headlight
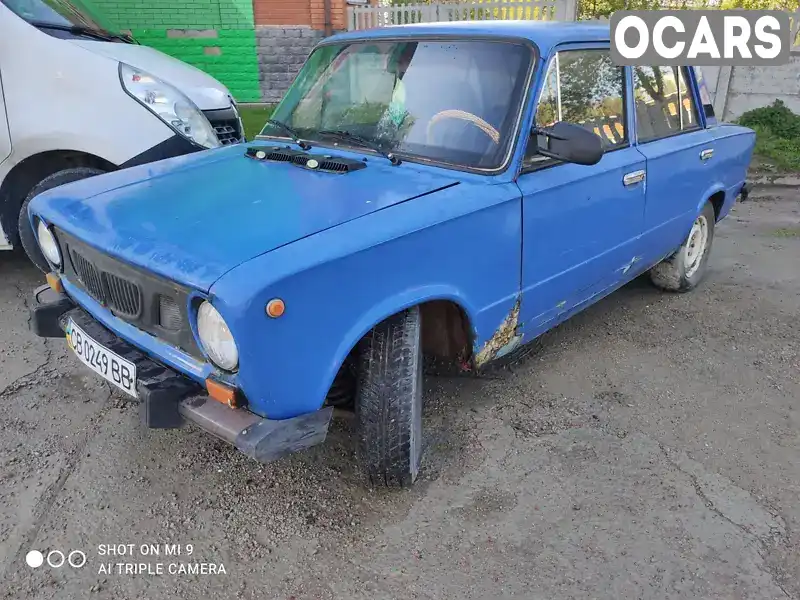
(48,244)
(216,338)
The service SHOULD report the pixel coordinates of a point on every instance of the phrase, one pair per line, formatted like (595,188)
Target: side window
(585,88)
(664,103)
(705,99)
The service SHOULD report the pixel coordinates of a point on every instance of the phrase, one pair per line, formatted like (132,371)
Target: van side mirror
(570,143)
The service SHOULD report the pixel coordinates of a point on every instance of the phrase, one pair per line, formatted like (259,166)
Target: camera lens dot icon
(34,558)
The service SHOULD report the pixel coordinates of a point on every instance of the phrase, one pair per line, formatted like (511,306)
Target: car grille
(227,134)
(169,313)
(88,276)
(149,302)
(226,124)
(330,164)
(123,296)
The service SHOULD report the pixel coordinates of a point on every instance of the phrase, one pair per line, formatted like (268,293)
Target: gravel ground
(648,448)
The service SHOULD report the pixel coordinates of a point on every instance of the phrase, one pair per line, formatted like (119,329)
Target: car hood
(194,218)
(202,89)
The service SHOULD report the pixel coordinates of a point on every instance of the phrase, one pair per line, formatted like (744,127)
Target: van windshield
(455,102)
(71,17)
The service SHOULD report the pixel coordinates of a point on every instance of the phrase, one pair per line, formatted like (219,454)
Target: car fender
(712,189)
(386,308)
(459,245)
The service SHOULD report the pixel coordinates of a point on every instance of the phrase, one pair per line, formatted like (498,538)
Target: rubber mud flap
(269,440)
(46,308)
(159,406)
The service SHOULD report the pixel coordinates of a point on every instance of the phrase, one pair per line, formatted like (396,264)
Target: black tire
(26,234)
(389,400)
(677,273)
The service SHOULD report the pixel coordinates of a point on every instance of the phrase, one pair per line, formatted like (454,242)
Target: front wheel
(682,271)
(26,233)
(389,400)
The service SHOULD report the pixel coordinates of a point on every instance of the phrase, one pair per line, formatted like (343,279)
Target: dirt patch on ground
(647,448)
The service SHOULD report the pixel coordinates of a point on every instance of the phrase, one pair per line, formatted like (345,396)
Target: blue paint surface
(194,220)
(346,251)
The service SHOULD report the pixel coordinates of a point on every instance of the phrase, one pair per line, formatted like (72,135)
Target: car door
(581,224)
(678,150)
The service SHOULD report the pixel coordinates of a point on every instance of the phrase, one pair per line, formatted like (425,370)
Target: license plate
(109,365)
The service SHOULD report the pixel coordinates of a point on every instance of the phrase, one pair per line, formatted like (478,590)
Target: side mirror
(570,143)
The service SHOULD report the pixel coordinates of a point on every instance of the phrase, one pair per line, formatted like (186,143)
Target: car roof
(545,34)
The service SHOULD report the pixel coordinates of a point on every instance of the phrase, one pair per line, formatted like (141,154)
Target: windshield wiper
(352,137)
(291,132)
(99,34)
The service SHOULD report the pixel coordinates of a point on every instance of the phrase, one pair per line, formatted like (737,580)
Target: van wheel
(389,400)
(682,271)
(26,234)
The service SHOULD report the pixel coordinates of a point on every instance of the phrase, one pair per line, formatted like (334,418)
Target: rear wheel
(682,271)
(26,234)
(389,400)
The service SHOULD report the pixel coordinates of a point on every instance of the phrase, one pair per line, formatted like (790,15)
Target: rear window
(664,103)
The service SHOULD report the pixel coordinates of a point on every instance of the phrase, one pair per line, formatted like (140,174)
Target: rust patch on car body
(504,340)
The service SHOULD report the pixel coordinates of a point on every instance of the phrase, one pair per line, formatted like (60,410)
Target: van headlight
(169,104)
(216,338)
(48,244)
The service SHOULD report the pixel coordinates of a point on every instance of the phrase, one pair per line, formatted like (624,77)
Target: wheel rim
(696,246)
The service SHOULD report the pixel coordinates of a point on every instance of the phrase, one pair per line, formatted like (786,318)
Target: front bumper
(170,399)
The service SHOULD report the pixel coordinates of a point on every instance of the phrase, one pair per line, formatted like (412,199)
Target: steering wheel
(462,115)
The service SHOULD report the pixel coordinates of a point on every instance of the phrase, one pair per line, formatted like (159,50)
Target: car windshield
(61,13)
(455,102)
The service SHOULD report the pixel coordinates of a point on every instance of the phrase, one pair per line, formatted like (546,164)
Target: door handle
(706,154)
(634,177)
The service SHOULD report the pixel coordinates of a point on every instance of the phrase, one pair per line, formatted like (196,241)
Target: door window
(664,103)
(585,88)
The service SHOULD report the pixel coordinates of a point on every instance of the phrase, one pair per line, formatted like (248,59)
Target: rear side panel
(677,179)
(733,149)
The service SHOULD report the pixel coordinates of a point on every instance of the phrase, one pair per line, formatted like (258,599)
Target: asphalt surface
(648,448)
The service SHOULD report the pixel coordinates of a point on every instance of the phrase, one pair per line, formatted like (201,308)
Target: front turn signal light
(222,393)
(54,281)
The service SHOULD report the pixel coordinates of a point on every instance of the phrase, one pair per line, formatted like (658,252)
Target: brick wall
(217,36)
(228,55)
(254,47)
(286,32)
(299,12)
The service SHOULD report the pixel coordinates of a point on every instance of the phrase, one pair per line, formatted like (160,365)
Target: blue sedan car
(451,190)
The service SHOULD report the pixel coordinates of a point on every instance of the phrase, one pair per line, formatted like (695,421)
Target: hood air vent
(312,162)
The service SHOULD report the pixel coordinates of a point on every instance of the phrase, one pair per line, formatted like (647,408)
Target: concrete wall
(753,87)
(738,89)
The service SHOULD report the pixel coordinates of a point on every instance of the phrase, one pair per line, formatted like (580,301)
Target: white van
(78,98)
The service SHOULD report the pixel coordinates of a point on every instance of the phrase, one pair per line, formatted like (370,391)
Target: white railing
(367,17)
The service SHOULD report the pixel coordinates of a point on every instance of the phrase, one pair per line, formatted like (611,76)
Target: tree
(790,5)
(594,9)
